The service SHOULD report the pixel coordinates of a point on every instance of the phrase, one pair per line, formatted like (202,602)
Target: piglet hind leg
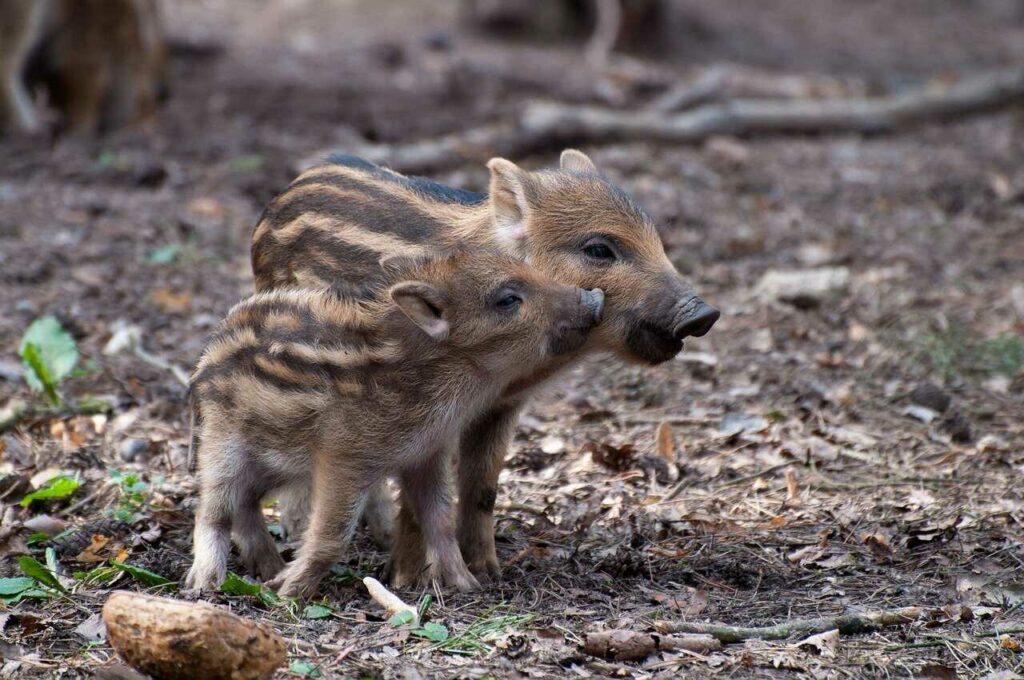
(211,542)
(408,562)
(339,494)
(229,502)
(427,489)
(481,458)
(256,547)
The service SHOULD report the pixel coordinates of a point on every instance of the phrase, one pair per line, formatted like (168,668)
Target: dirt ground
(852,451)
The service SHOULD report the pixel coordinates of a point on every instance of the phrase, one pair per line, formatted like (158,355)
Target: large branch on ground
(847,624)
(627,645)
(544,125)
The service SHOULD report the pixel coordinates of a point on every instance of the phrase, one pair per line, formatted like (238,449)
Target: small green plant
(248,163)
(236,585)
(304,669)
(141,575)
(133,503)
(165,254)
(954,352)
(474,639)
(49,354)
(316,611)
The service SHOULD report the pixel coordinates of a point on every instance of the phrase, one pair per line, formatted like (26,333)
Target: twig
(158,362)
(709,86)
(847,624)
(544,124)
(392,603)
(606,32)
(685,484)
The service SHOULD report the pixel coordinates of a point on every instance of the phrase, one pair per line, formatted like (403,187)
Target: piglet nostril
(698,322)
(594,300)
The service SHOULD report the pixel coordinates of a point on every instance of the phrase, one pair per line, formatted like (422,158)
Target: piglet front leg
(426,488)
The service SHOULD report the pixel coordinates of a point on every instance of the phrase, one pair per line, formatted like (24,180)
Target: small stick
(392,603)
(847,624)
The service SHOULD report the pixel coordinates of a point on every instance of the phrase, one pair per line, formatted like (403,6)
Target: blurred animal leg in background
(21,26)
(105,64)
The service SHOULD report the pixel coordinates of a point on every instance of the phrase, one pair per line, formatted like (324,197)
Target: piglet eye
(508,302)
(599,251)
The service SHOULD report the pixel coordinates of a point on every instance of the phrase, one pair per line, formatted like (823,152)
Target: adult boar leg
(481,458)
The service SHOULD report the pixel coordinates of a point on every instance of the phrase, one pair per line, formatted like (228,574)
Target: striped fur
(337,222)
(308,387)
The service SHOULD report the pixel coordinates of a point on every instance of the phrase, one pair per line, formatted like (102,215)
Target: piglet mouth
(652,343)
(568,339)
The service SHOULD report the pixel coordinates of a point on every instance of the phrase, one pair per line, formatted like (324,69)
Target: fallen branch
(544,125)
(721,82)
(846,624)
(627,645)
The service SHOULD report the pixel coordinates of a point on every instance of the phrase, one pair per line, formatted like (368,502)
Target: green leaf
(37,538)
(164,254)
(50,354)
(434,632)
(100,574)
(424,605)
(236,585)
(402,618)
(306,669)
(34,569)
(51,561)
(142,575)
(316,611)
(15,585)
(252,162)
(38,376)
(59,488)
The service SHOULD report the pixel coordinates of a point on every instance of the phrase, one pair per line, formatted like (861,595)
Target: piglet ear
(424,305)
(576,161)
(508,201)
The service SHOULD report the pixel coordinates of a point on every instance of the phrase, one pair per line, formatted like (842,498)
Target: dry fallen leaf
(170,301)
(824,644)
(666,442)
(1007,642)
(792,488)
(91,553)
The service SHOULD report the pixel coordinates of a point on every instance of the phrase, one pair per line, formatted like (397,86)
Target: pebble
(131,449)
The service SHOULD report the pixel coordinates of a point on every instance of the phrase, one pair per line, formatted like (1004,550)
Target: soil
(803,479)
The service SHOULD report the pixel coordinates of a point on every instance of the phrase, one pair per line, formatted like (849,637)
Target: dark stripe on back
(427,188)
(383,213)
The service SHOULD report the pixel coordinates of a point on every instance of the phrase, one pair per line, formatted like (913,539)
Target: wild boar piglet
(314,389)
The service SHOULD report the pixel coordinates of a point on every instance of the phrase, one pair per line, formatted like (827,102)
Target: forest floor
(856,449)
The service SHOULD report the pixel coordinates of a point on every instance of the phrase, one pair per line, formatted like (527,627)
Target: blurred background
(870,274)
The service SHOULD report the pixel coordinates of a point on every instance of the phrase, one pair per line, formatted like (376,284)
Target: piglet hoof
(293,583)
(455,576)
(486,569)
(404,575)
(266,565)
(405,568)
(203,581)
